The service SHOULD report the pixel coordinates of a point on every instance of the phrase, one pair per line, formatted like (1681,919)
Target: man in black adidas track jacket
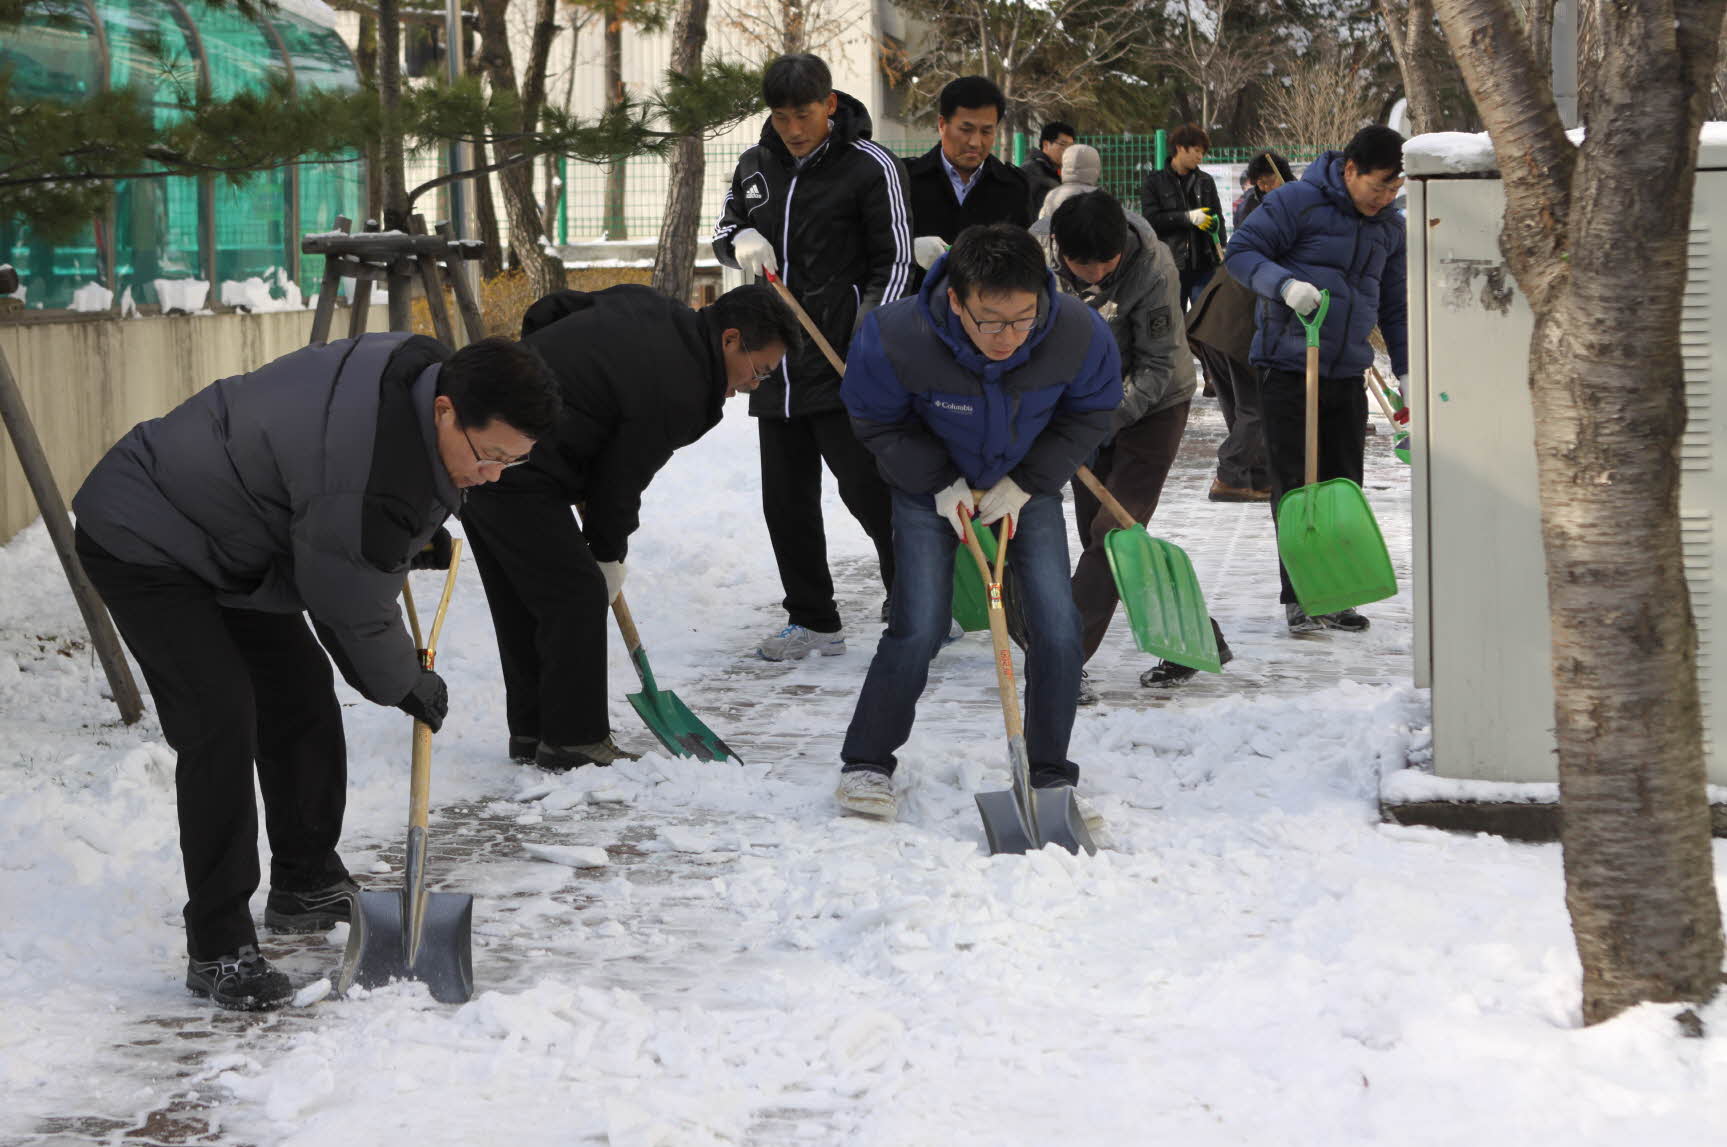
(821,205)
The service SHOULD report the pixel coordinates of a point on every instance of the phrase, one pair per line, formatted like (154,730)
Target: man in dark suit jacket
(958,182)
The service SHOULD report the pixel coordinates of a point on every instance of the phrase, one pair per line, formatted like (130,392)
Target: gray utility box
(1482,640)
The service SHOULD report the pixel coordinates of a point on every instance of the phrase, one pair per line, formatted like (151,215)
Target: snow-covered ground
(1256,960)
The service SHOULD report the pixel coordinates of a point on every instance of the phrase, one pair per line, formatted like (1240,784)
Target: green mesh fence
(1126,159)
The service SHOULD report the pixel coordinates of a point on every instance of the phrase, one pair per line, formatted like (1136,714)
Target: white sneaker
(794,643)
(867,794)
(1088,814)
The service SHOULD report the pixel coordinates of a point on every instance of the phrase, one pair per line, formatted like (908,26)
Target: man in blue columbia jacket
(990,379)
(1333,230)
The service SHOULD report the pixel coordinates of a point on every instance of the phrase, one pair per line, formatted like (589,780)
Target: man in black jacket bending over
(641,376)
(821,205)
(304,487)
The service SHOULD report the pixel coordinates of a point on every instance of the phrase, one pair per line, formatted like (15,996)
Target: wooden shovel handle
(808,325)
(420,783)
(1373,388)
(1116,509)
(998,637)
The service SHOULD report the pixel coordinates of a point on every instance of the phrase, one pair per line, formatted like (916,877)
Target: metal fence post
(1160,149)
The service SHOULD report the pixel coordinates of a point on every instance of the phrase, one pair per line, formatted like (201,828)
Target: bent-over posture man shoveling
(641,376)
(990,379)
(306,486)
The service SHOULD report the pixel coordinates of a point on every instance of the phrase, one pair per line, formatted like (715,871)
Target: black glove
(427,701)
(435,554)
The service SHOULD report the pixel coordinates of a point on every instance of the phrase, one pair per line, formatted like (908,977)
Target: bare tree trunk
(674,269)
(366,55)
(390,100)
(1609,412)
(1413,45)
(545,273)
(486,209)
(615,227)
(1538,26)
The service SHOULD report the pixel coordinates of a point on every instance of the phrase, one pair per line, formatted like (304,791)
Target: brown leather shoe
(1222,493)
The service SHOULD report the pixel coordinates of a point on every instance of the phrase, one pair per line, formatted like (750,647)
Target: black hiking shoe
(241,982)
(1087,695)
(1299,622)
(522,749)
(563,758)
(320,910)
(1167,673)
(1345,619)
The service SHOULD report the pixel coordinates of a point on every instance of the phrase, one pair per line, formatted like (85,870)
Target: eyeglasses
(996,326)
(761,374)
(492,461)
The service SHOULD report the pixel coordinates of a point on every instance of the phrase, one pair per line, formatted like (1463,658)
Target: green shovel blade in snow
(1165,606)
(670,720)
(1326,533)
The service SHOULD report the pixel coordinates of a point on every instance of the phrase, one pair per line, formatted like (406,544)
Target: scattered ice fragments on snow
(573,855)
(312,993)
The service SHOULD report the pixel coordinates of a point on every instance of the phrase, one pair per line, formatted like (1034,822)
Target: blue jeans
(923,546)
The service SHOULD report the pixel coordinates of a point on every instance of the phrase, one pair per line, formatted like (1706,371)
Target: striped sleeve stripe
(721,230)
(899,220)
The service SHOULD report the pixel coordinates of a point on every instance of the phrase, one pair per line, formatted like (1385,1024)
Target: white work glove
(1302,298)
(1003,500)
(1200,218)
(614,573)
(753,251)
(926,249)
(948,502)
(1403,388)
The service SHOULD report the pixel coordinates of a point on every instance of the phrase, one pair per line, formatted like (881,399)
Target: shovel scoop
(1021,819)
(413,934)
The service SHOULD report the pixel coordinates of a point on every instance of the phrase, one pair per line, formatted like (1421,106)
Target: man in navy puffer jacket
(991,379)
(1333,230)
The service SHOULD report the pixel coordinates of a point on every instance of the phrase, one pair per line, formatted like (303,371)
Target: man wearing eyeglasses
(304,487)
(992,380)
(641,375)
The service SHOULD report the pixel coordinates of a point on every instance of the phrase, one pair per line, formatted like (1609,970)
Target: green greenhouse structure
(183,227)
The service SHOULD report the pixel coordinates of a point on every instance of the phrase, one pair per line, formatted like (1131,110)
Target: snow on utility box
(1482,637)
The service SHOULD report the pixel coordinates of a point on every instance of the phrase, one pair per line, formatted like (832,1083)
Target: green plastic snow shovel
(1391,405)
(667,717)
(1326,533)
(1155,578)
(415,934)
(1021,819)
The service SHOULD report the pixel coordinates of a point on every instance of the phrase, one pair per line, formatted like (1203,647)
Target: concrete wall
(88,380)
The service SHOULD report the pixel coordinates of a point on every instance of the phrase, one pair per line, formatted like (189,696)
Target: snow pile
(671,954)
(183,296)
(91,297)
(273,292)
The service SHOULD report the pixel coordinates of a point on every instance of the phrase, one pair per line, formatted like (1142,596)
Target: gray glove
(1302,298)
(948,502)
(1003,500)
(926,249)
(753,251)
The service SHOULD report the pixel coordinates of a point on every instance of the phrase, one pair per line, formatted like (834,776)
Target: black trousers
(1342,436)
(234,689)
(1133,466)
(548,602)
(793,451)
(1241,457)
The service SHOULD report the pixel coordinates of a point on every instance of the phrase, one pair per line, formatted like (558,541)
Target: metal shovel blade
(1165,606)
(412,934)
(970,596)
(1331,545)
(1023,819)
(681,732)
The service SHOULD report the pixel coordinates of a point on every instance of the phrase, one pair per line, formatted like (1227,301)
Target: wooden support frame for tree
(34,462)
(395,257)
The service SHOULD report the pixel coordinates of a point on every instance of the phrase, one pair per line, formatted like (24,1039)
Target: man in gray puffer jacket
(1113,260)
(306,486)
